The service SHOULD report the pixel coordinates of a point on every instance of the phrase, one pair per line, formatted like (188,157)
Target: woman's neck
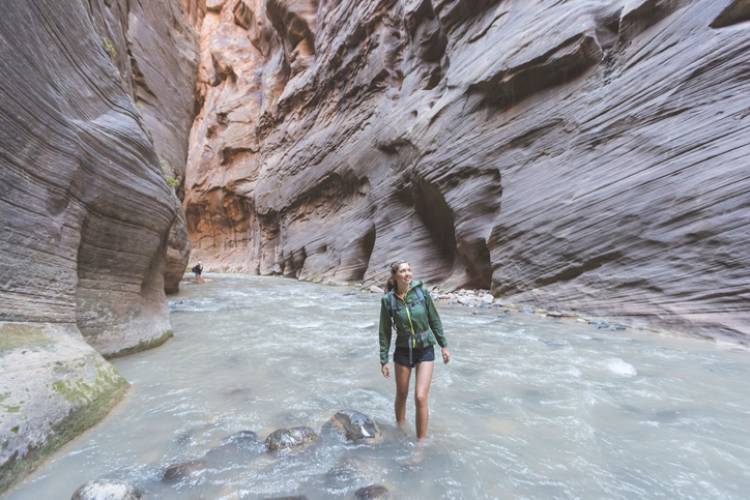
(401,289)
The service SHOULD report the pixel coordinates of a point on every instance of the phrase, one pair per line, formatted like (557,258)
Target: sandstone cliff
(590,155)
(88,225)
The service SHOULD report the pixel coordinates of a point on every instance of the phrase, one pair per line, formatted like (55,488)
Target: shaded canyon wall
(587,155)
(89,228)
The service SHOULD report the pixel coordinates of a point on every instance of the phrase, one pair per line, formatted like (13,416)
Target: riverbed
(529,407)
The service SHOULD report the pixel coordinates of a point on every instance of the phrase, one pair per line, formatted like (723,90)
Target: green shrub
(109,47)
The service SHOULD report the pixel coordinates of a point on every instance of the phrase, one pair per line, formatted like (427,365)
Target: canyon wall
(89,227)
(585,155)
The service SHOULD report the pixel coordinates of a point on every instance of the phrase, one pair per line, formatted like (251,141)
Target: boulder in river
(104,489)
(290,438)
(355,426)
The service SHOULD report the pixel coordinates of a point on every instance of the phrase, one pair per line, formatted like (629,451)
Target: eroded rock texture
(85,220)
(153,45)
(586,154)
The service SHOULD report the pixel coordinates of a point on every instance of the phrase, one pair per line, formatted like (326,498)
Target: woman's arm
(434,319)
(384,332)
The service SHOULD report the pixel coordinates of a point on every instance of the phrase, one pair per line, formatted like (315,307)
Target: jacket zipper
(411,325)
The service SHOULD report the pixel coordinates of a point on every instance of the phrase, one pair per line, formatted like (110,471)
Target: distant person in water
(198,271)
(409,309)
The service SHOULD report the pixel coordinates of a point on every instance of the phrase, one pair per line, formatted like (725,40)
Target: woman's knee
(401,396)
(420,398)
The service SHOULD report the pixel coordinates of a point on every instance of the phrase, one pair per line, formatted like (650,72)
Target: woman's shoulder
(418,284)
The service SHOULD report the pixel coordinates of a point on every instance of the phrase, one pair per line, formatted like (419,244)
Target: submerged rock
(240,446)
(355,426)
(373,492)
(290,438)
(103,489)
(178,472)
(293,497)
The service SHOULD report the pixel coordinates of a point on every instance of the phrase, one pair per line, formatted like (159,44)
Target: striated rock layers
(587,154)
(153,46)
(88,225)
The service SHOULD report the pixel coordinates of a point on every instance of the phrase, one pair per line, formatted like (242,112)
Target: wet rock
(103,489)
(290,438)
(376,289)
(178,472)
(464,301)
(373,492)
(355,426)
(600,324)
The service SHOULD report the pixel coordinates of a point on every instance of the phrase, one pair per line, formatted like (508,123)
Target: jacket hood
(413,284)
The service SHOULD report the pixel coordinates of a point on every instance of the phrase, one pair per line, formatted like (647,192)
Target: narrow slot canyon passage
(202,202)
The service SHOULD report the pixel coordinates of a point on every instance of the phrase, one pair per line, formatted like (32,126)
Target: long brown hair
(391,283)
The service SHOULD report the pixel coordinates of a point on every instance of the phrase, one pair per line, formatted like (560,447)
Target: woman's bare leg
(403,374)
(421,396)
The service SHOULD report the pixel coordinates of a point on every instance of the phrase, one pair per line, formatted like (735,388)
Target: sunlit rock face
(588,155)
(88,225)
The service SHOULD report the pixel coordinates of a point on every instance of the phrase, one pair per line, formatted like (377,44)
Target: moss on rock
(91,402)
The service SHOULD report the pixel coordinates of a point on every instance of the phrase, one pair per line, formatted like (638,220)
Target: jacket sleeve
(384,332)
(434,319)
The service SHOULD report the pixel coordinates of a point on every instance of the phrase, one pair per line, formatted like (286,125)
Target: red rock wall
(584,155)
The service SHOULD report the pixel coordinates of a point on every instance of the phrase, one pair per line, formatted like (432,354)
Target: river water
(529,407)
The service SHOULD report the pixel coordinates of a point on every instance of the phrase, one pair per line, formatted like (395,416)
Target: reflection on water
(528,407)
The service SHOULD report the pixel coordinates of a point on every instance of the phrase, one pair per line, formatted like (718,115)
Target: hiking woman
(408,308)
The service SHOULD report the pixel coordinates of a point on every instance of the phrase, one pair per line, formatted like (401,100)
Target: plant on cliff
(109,47)
(171,181)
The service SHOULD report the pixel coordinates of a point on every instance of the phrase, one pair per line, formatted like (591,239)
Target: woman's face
(403,275)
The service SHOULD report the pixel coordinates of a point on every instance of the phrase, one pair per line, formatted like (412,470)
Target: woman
(410,309)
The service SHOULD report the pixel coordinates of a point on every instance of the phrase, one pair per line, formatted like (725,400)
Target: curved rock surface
(587,154)
(85,218)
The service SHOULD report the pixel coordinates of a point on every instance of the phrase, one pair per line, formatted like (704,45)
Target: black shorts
(401,356)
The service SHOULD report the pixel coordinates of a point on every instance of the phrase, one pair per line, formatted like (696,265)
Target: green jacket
(414,321)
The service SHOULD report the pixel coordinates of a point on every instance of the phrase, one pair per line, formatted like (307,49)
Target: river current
(528,408)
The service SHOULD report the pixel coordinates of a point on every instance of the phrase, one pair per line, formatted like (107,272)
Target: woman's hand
(446,354)
(385,370)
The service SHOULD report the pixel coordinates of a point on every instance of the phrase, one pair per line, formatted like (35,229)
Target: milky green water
(528,408)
